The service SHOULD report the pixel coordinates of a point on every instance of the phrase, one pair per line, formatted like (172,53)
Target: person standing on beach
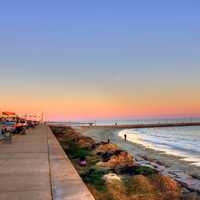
(125,136)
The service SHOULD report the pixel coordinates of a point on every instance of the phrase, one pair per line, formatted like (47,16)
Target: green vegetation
(142,170)
(75,152)
(94,177)
(58,130)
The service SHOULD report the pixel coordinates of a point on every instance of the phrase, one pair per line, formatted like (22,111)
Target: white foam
(172,145)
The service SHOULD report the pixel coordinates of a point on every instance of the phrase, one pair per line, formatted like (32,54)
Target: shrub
(142,170)
(75,152)
(94,177)
(136,170)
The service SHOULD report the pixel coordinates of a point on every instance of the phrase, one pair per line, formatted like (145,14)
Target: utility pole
(42,118)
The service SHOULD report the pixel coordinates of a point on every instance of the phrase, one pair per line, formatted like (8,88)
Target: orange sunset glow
(97,65)
(99,106)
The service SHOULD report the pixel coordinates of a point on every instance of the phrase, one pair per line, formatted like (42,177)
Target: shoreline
(112,173)
(187,175)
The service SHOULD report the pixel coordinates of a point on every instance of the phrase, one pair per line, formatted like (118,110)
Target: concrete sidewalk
(34,167)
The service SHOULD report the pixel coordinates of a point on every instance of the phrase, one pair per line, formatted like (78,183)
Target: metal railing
(6,136)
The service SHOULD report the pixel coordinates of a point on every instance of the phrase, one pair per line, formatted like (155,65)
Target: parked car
(1,131)
(10,126)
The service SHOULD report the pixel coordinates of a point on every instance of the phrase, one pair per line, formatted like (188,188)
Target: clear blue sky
(105,51)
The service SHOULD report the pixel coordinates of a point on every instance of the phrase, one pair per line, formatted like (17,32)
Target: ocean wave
(170,141)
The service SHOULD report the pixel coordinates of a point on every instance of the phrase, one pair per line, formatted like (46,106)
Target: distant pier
(154,125)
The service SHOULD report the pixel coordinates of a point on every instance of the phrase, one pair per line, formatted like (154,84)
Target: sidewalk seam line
(50,178)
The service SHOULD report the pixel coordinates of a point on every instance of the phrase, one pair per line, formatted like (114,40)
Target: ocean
(178,141)
(183,142)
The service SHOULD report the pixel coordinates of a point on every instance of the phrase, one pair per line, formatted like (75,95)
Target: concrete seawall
(66,183)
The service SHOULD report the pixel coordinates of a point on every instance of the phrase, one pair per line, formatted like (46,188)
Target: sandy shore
(173,165)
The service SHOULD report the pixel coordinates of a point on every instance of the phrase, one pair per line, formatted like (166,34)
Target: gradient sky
(87,59)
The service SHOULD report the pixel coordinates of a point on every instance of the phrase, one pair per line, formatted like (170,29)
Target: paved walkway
(34,167)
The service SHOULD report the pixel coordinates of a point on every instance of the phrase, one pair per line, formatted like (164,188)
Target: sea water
(178,141)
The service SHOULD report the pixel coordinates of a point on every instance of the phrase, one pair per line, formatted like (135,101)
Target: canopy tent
(8,115)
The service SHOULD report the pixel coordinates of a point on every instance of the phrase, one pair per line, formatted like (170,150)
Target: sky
(86,59)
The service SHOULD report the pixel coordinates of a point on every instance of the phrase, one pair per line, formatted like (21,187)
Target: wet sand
(173,164)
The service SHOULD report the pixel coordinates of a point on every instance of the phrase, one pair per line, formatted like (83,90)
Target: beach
(111,173)
(183,171)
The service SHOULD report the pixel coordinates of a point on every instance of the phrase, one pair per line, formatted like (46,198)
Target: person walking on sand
(125,137)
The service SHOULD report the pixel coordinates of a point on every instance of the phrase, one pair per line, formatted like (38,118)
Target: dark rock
(106,156)
(190,196)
